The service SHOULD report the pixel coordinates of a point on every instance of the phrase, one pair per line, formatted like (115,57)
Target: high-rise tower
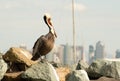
(117,53)
(91,53)
(100,50)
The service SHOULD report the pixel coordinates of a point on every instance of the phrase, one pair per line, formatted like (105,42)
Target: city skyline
(22,22)
(63,54)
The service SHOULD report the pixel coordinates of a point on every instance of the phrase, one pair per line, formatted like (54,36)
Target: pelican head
(47,19)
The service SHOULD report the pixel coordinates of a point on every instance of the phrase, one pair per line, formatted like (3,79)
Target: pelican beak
(51,26)
(55,34)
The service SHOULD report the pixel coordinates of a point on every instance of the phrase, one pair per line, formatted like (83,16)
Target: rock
(78,75)
(82,65)
(18,59)
(73,66)
(18,55)
(108,68)
(12,77)
(41,71)
(62,73)
(3,67)
(56,65)
(16,67)
(94,69)
(105,79)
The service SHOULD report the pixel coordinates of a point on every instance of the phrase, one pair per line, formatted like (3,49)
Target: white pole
(74,46)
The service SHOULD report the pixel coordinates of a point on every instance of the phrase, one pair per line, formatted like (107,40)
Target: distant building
(100,50)
(60,52)
(68,55)
(91,54)
(117,53)
(64,54)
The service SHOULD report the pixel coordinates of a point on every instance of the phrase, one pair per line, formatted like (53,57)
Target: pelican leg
(43,59)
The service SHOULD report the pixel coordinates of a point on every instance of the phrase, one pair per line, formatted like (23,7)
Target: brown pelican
(45,43)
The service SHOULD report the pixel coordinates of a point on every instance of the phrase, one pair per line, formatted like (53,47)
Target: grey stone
(78,75)
(41,71)
(108,68)
(3,67)
(82,65)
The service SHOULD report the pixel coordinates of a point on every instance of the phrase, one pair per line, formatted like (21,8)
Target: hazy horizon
(21,22)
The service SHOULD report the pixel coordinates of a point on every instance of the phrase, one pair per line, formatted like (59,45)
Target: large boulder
(18,59)
(3,67)
(108,68)
(78,75)
(18,55)
(82,65)
(41,71)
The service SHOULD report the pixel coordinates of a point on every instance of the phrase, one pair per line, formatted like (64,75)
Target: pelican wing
(37,44)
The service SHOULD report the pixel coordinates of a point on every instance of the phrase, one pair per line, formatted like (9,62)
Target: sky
(21,22)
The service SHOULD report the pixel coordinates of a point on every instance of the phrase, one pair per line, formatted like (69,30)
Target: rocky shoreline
(15,65)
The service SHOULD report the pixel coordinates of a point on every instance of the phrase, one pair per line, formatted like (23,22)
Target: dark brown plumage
(45,43)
